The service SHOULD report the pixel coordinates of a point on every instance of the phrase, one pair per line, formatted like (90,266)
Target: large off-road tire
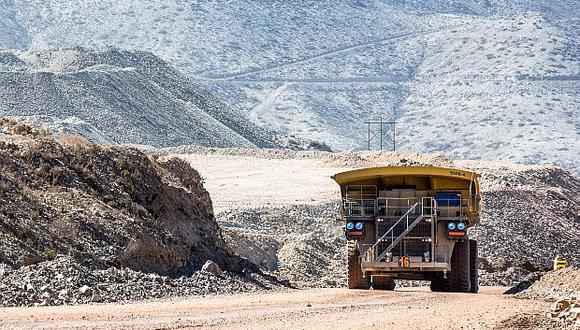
(355,275)
(439,284)
(383,283)
(459,277)
(473,266)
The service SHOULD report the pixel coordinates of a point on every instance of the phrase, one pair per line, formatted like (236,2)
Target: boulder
(561,305)
(85,290)
(29,288)
(96,298)
(211,267)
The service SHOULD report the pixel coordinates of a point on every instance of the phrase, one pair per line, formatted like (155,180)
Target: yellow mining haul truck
(410,222)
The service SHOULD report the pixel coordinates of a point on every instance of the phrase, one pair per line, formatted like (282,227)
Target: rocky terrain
(65,280)
(561,286)
(558,284)
(299,243)
(75,214)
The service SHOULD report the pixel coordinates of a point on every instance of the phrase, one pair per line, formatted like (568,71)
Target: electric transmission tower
(382,134)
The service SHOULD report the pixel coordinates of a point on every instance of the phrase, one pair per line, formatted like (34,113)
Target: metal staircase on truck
(397,236)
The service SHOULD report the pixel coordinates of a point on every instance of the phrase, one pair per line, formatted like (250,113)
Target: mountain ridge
(472,79)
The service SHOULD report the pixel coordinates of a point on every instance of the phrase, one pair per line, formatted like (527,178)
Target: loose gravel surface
(409,308)
(65,281)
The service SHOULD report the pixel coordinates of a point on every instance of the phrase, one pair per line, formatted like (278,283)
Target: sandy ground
(240,181)
(410,308)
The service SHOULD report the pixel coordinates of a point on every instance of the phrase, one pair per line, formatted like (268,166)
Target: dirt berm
(104,206)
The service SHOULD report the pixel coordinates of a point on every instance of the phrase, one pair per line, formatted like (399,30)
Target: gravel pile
(557,284)
(301,243)
(66,281)
(531,213)
(143,99)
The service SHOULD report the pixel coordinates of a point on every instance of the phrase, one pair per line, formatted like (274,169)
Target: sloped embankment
(104,207)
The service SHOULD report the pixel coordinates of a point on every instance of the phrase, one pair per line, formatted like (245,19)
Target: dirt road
(411,308)
(236,182)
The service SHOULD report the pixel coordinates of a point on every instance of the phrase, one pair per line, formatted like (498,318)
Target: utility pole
(369,136)
(381,130)
(394,135)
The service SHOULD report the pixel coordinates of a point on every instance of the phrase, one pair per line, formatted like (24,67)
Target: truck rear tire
(355,276)
(459,277)
(473,266)
(439,283)
(383,283)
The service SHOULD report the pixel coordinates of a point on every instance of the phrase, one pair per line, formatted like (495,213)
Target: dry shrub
(65,228)
(73,140)
(7,122)
(20,129)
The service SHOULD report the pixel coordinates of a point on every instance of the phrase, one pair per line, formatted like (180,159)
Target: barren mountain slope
(119,96)
(472,79)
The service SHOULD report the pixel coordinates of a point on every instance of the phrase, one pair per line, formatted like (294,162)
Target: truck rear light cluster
(456,229)
(354,230)
(352,225)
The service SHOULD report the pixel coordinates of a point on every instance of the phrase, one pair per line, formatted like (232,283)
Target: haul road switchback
(410,223)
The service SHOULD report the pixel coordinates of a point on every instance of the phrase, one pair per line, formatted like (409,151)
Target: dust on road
(410,308)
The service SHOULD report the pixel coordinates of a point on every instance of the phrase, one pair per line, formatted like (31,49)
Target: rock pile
(567,311)
(66,281)
(499,271)
(112,205)
(555,285)
(300,243)
(143,98)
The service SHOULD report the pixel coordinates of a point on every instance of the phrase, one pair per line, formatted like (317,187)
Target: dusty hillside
(103,207)
(502,75)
